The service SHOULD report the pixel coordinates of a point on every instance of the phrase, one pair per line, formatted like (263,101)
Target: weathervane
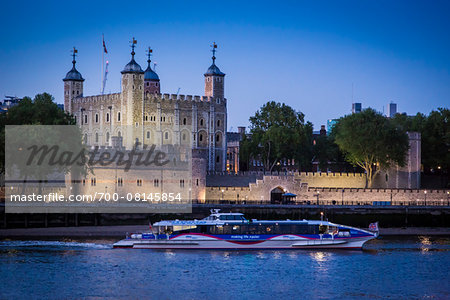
(214,47)
(133,44)
(149,53)
(74,54)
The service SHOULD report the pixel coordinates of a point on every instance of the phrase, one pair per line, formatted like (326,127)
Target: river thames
(388,268)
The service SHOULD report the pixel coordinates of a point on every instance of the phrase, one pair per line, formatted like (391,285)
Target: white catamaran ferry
(233,231)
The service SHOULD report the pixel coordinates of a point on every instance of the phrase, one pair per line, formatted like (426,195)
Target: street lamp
(321,216)
(425,192)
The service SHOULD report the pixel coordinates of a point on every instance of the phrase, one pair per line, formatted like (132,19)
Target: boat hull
(284,242)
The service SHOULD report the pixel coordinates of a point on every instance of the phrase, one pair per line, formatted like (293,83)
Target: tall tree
(371,141)
(279,132)
(40,111)
(435,133)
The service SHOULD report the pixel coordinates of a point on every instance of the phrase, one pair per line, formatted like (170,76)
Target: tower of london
(141,115)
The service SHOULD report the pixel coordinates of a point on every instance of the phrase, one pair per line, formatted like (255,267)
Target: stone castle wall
(261,190)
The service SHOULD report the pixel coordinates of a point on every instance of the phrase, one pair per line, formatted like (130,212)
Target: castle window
(96,137)
(197,181)
(218,123)
(182,183)
(146,118)
(148,134)
(166,135)
(96,118)
(120,181)
(107,117)
(119,134)
(201,122)
(217,158)
(93,182)
(78,92)
(85,119)
(156,182)
(218,101)
(107,137)
(200,138)
(184,136)
(84,182)
(118,116)
(148,83)
(136,124)
(73,92)
(139,182)
(218,138)
(184,121)
(133,86)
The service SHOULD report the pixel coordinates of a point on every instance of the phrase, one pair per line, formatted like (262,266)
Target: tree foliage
(371,141)
(40,111)
(278,132)
(435,133)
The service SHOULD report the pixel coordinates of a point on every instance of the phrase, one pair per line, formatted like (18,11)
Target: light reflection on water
(394,267)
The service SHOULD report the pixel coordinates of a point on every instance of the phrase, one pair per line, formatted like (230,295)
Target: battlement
(324,174)
(177,97)
(97,98)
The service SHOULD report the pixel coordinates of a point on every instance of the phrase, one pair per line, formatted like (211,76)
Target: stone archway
(276,195)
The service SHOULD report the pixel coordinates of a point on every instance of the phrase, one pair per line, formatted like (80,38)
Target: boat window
(187,228)
(323,229)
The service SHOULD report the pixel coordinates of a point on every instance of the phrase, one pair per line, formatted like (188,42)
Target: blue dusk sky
(306,54)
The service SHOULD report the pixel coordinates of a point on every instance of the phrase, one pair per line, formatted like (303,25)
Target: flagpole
(103,62)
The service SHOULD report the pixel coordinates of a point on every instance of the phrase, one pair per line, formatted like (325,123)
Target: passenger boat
(234,231)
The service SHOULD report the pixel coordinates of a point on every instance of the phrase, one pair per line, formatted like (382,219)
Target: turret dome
(150,74)
(214,70)
(73,75)
(132,67)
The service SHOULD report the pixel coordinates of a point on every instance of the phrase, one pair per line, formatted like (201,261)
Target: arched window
(217,137)
(200,138)
(184,121)
(217,158)
(96,118)
(118,116)
(184,136)
(201,122)
(107,137)
(166,135)
(148,134)
(85,119)
(107,117)
(96,137)
(119,134)
(218,123)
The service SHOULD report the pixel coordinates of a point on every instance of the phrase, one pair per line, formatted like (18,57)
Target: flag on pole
(373,226)
(104,46)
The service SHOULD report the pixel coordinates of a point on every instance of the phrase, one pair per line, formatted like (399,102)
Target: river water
(388,268)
